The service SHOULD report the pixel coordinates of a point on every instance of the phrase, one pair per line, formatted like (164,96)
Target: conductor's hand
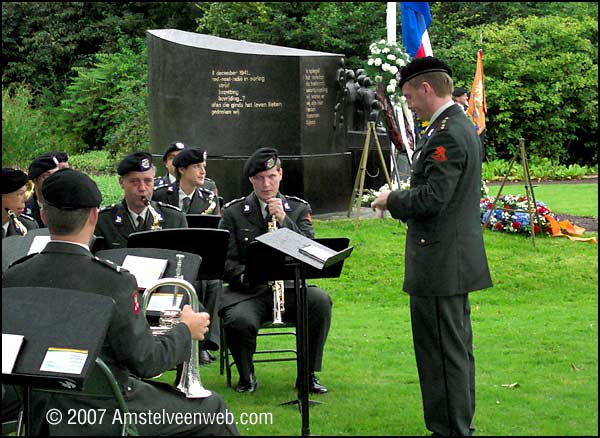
(380,204)
(197,322)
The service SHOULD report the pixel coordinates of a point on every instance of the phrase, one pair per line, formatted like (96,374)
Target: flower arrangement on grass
(511,215)
(370,195)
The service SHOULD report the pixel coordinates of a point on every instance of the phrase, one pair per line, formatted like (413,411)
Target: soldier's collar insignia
(170,189)
(118,219)
(286,206)
(246,208)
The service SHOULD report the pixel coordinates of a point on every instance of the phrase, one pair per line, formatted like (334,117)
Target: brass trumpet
(277,286)
(189,382)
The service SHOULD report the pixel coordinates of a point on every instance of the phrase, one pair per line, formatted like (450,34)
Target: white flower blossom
(375,51)
(385,50)
(378,78)
(385,67)
(391,57)
(370,61)
(377,62)
(390,89)
(393,82)
(401,62)
(393,69)
(383,42)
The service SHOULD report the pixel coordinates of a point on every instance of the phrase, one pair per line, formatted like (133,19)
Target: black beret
(136,162)
(177,146)
(12,180)
(42,164)
(70,189)
(189,156)
(459,91)
(262,159)
(61,156)
(419,66)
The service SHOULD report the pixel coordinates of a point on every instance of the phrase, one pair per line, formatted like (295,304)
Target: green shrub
(94,162)
(26,132)
(106,105)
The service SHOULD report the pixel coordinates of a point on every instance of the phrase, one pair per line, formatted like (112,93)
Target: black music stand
(210,244)
(203,220)
(283,256)
(48,319)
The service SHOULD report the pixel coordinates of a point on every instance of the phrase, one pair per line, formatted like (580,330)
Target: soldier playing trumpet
(245,307)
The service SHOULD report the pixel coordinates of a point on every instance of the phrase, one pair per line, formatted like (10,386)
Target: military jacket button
(422,241)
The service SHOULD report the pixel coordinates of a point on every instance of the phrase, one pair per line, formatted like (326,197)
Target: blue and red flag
(416,18)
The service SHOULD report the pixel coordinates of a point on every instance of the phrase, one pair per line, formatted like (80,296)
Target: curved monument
(232,97)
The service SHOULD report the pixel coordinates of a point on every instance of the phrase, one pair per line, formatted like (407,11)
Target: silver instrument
(18,224)
(189,382)
(155,216)
(277,286)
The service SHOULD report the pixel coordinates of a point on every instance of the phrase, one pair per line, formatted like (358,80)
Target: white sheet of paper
(160,301)
(64,360)
(38,244)
(11,345)
(316,252)
(146,270)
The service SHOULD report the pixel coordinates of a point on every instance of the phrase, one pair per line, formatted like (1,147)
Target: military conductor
(246,306)
(70,210)
(445,257)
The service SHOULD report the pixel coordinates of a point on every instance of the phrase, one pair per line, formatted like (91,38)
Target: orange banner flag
(477,108)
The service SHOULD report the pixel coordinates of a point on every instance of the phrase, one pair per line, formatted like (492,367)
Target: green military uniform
(445,259)
(129,348)
(27,221)
(209,291)
(203,201)
(115,224)
(244,308)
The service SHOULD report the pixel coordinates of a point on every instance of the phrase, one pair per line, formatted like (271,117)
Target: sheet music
(316,252)
(38,244)
(147,270)
(11,345)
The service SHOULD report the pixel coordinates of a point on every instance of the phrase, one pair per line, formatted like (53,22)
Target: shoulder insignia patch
(440,154)
(235,201)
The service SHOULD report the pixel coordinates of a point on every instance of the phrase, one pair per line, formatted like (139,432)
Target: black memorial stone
(233,97)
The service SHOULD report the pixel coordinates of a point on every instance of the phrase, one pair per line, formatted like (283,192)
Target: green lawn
(535,339)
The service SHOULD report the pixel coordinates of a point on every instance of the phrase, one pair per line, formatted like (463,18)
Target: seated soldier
(188,192)
(171,177)
(14,221)
(136,212)
(40,169)
(71,201)
(245,307)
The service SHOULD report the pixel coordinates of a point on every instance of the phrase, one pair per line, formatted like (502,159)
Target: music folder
(62,333)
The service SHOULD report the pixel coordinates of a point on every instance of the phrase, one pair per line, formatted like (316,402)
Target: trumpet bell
(29,189)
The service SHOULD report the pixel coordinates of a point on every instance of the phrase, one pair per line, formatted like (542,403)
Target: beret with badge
(177,146)
(42,164)
(261,160)
(189,156)
(420,66)
(136,162)
(12,180)
(69,189)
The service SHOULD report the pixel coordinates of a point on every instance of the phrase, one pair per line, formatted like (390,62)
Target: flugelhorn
(18,224)
(155,216)
(277,286)
(189,382)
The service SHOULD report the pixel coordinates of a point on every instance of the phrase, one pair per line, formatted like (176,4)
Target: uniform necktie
(186,204)
(140,222)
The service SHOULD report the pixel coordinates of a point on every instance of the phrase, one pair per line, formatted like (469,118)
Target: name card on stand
(146,270)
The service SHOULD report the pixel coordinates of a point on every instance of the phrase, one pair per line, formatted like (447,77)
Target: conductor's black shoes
(247,385)
(314,385)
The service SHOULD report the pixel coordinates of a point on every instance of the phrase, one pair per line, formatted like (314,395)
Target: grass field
(535,339)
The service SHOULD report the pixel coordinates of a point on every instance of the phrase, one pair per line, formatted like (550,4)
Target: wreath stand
(359,181)
(528,190)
